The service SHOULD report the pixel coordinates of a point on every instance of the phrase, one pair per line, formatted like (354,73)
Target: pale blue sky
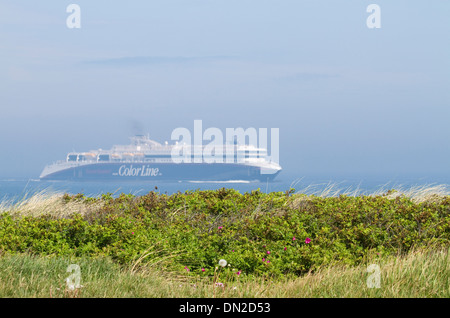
(347,99)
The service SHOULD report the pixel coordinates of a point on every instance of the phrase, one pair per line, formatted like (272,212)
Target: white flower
(223,263)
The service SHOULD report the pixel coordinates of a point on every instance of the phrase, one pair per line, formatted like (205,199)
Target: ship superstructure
(146,159)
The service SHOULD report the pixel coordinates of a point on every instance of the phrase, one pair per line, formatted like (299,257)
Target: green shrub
(257,233)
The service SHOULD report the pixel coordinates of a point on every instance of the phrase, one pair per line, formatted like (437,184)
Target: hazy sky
(347,99)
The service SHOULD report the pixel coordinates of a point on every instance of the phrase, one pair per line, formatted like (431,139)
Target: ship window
(72,158)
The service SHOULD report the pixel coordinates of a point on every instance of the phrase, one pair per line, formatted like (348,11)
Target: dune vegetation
(278,244)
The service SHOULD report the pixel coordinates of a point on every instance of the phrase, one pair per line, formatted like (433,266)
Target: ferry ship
(147,160)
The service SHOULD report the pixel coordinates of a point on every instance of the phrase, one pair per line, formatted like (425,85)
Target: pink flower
(268,252)
(203,269)
(187,269)
(132,232)
(263,259)
(220,227)
(238,273)
(294,238)
(308,240)
(285,248)
(268,261)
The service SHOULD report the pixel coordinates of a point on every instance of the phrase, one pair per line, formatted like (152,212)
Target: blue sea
(18,189)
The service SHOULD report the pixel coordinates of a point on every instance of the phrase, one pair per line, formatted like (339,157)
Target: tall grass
(420,274)
(47,202)
(417,193)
